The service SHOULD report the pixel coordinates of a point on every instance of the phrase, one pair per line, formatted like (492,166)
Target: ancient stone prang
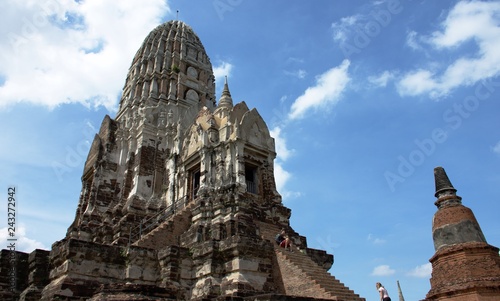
(178,199)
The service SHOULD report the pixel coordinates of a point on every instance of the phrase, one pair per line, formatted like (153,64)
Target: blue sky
(364,99)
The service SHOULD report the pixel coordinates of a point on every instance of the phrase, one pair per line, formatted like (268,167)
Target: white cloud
(282,151)
(294,60)
(297,73)
(23,243)
(412,40)
(221,71)
(416,83)
(380,2)
(327,91)
(421,271)
(496,148)
(382,79)
(467,21)
(344,28)
(58,51)
(375,240)
(383,270)
(281,176)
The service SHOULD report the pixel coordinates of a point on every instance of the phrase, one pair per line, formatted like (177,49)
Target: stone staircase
(168,232)
(301,276)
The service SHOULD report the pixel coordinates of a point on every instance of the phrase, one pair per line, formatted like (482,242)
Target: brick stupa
(465,267)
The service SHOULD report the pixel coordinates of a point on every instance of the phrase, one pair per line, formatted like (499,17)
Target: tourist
(384,295)
(283,240)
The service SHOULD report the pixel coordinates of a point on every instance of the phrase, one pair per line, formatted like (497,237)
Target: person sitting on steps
(283,240)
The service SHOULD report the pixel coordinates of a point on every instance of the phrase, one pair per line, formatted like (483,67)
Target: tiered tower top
(453,223)
(171,66)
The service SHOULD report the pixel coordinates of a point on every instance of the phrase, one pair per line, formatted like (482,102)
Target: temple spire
(442,181)
(225,99)
(226,92)
(400,293)
(464,266)
(453,223)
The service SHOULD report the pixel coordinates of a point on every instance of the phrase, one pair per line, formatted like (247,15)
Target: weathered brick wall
(6,270)
(134,292)
(463,269)
(81,267)
(247,265)
(38,275)
(129,176)
(468,295)
(269,192)
(176,267)
(95,154)
(320,257)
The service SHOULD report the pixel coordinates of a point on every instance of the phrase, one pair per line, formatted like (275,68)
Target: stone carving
(162,120)
(191,72)
(191,95)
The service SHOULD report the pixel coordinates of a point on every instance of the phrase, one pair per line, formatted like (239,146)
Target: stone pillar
(13,264)
(38,277)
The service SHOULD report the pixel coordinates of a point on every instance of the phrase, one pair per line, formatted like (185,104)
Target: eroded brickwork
(465,266)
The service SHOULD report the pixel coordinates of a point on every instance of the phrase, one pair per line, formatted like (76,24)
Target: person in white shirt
(384,295)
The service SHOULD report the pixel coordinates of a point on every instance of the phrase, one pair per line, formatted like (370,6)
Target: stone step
(295,281)
(323,278)
(309,268)
(168,230)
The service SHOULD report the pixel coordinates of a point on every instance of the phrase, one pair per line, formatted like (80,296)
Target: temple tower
(179,199)
(129,173)
(465,266)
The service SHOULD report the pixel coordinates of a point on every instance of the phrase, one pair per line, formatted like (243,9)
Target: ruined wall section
(38,277)
(232,153)
(100,186)
(123,181)
(81,268)
(227,255)
(13,273)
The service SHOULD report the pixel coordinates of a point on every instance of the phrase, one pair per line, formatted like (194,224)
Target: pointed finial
(225,99)
(400,293)
(442,181)
(226,88)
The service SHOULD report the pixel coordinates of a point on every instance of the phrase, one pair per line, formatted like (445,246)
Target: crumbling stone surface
(14,273)
(38,277)
(136,292)
(464,269)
